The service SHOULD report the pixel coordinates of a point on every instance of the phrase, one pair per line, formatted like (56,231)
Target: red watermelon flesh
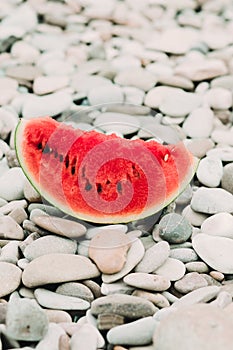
(101,178)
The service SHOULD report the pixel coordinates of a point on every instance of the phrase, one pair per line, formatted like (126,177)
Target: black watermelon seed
(61,158)
(99,188)
(39,146)
(73,170)
(88,186)
(119,187)
(55,154)
(67,162)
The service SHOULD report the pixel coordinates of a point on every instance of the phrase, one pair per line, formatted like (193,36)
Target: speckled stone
(26,320)
(125,305)
(184,254)
(174,228)
(147,281)
(190,282)
(75,289)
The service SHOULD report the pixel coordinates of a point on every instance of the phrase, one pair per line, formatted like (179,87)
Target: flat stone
(212,200)
(105,94)
(11,184)
(200,295)
(48,245)
(116,287)
(147,281)
(218,98)
(220,224)
(60,226)
(172,269)
(215,251)
(139,332)
(108,249)
(46,84)
(134,256)
(26,320)
(223,136)
(10,229)
(166,40)
(10,252)
(23,72)
(174,228)
(133,95)
(30,193)
(154,257)
(92,231)
(56,268)
(75,289)
(199,123)
(23,16)
(227,178)
(53,300)
(201,69)
(225,82)
(184,254)
(190,282)
(197,266)
(198,323)
(155,97)
(156,298)
(136,77)
(210,171)
(125,305)
(223,153)
(52,104)
(176,81)
(119,122)
(10,276)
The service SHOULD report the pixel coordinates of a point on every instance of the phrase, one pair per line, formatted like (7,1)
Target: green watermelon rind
(106,219)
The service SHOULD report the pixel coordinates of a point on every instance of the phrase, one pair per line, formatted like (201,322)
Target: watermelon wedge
(101,178)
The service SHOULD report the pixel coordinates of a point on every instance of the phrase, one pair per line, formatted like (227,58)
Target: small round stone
(190,282)
(184,254)
(75,289)
(210,171)
(172,269)
(219,224)
(105,94)
(174,228)
(197,266)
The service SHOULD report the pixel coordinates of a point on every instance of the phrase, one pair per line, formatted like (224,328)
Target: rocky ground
(162,69)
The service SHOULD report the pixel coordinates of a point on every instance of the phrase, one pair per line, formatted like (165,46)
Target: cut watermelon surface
(101,178)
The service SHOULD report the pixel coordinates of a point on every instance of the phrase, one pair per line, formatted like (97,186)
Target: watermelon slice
(101,178)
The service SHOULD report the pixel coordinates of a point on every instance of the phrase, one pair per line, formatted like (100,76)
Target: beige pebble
(9,229)
(156,298)
(218,276)
(108,250)
(55,268)
(147,281)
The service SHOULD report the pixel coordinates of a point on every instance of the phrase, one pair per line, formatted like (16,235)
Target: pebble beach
(151,69)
